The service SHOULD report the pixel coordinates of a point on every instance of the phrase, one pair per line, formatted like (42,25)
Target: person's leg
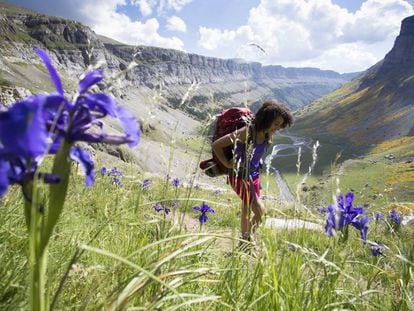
(245,221)
(259,211)
(241,187)
(257,205)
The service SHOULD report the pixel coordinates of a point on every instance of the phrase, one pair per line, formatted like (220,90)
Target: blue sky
(342,35)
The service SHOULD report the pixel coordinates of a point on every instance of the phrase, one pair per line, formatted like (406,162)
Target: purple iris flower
(378,216)
(146,184)
(376,251)
(348,215)
(347,211)
(395,217)
(77,118)
(176,182)
(158,207)
(103,170)
(116,181)
(203,209)
(115,172)
(377,248)
(330,220)
(40,123)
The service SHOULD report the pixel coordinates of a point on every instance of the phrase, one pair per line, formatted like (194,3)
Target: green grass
(113,238)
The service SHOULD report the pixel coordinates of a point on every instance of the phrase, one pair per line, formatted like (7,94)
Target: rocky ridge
(228,81)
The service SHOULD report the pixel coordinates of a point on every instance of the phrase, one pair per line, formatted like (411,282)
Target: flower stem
(37,259)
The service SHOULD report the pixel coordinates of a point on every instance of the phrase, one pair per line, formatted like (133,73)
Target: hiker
(244,175)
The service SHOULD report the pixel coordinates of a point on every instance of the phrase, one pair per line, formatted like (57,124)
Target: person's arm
(226,141)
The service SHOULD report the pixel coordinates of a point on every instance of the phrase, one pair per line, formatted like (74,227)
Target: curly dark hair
(269,111)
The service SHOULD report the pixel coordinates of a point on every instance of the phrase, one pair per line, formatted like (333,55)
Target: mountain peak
(407,26)
(401,57)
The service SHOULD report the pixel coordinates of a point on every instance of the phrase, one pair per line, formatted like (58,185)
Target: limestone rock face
(376,107)
(73,47)
(402,53)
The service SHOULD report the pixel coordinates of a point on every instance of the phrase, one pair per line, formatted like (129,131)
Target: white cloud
(145,7)
(161,6)
(342,56)
(174,23)
(107,21)
(176,5)
(312,32)
(377,20)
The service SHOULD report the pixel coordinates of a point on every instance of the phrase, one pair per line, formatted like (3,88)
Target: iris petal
(102,103)
(130,125)
(203,218)
(23,130)
(52,71)
(4,181)
(106,105)
(82,157)
(349,197)
(89,79)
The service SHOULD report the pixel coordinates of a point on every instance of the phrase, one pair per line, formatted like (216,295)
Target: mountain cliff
(376,107)
(170,73)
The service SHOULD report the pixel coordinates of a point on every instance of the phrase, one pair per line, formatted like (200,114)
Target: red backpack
(229,120)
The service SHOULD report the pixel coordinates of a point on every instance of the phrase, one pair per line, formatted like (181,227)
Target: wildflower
(203,209)
(376,251)
(395,217)
(330,220)
(217,192)
(116,181)
(115,172)
(146,184)
(197,187)
(348,215)
(378,216)
(77,118)
(72,121)
(176,182)
(42,122)
(103,171)
(377,248)
(158,207)
(347,212)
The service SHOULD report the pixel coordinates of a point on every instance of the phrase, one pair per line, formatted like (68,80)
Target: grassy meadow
(112,250)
